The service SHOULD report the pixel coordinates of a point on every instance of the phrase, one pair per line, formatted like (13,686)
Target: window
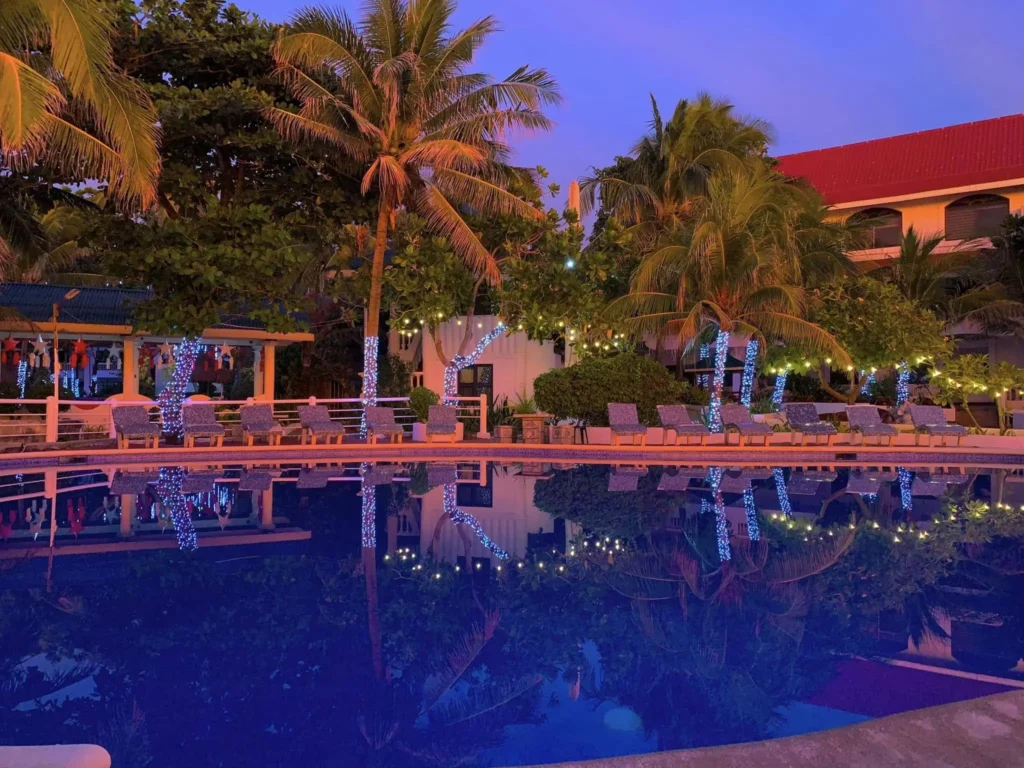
(884,226)
(474,494)
(975,216)
(477,380)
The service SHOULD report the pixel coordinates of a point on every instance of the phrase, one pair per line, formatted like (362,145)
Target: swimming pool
(495,613)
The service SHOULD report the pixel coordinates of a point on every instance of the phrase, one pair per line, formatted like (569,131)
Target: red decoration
(10,351)
(78,353)
(76,517)
(7,526)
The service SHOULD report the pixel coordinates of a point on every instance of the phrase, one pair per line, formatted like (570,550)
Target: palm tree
(737,268)
(653,188)
(392,98)
(943,284)
(64,105)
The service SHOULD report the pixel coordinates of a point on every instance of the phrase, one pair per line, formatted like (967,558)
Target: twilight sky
(823,73)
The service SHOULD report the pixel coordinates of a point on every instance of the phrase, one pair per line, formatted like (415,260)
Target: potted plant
(420,400)
(501,417)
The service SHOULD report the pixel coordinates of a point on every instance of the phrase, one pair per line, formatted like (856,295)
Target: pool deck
(993,453)
(980,733)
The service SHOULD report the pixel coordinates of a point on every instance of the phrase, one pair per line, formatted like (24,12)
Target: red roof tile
(960,155)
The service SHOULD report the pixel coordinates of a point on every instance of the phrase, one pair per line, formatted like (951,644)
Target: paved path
(981,733)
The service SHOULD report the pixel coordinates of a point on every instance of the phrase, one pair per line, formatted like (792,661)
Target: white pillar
(130,368)
(257,374)
(268,371)
(267,513)
(127,515)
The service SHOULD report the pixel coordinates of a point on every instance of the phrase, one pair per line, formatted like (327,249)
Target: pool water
(489,614)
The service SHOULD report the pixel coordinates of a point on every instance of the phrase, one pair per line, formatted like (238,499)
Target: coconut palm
(653,188)
(943,284)
(64,105)
(736,269)
(392,97)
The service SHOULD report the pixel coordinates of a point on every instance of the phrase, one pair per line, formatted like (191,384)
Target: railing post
(483,434)
(51,419)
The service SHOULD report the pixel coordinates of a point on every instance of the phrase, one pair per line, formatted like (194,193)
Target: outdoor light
(570,263)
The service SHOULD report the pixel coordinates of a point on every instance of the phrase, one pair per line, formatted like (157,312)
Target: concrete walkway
(981,733)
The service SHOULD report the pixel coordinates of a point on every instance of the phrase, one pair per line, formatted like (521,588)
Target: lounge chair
(677,418)
(258,421)
(131,422)
(738,418)
(316,421)
(623,421)
(866,420)
(803,420)
(381,421)
(200,420)
(441,422)
(930,420)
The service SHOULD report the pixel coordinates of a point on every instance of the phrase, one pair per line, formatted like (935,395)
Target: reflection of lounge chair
(200,420)
(316,423)
(808,483)
(738,482)
(441,474)
(441,422)
(677,418)
(379,475)
(255,480)
(868,483)
(803,420)
(738,419)
(678,481)
(867,420)
(314,478)
(198,482)
(258,421)
(930,420)
(625,478)
(623,421)
(381,421)
(934,485)
(131,422)
(133,483)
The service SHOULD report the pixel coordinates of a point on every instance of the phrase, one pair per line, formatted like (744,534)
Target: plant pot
(563,434)
(419,432)
(505,433)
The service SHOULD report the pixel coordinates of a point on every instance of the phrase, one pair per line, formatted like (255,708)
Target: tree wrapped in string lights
(749,371)
(172,397)
(168,488)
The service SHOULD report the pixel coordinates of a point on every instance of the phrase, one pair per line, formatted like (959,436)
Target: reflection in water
(512,615)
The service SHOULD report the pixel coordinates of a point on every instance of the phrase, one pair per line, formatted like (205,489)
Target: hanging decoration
(369,379)
(40,355)
(451,373)
(114,358)
(902,383)
(749,369)
(9,353)
(780,387)
(715,407)
(172,397)
(461,517)
(782,491)
(224,358)
(79,354)
(165,356)
(169,489)
(703,378)
(748,506)
(906,478)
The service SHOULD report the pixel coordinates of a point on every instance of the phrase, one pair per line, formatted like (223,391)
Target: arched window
(975,216)
(884,226)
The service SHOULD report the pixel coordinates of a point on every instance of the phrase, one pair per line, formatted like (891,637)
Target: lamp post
(56,354)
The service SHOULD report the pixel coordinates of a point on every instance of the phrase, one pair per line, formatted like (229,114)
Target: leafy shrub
(420,400)
(395,377)
(583,391)
(9,391)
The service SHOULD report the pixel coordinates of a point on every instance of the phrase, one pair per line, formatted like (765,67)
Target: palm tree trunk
(369,553)
(718,382)
(747,384)
(371,324)
(780,388)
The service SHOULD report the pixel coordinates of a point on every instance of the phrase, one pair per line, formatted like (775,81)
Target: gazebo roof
(105,311)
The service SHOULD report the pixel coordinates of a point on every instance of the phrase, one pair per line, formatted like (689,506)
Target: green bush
(395,377)
(420,400)
(584,390)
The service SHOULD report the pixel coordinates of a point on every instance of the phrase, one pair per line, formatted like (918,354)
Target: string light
(906,479)
(461,517)
(866,388)
(721,524)
(169,489)
(902,383)
(369,512)
(782,491)
(370,345)
(703,378)
(22,378)
(748,506)
(172,397)
(451,373)
(780,387)
(715,408)
(747,382)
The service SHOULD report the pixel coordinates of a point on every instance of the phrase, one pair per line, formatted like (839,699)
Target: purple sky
(822,73)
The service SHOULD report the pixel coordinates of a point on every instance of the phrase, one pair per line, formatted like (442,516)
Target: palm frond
(482,195)
(26,97)
(442,217)
(459,660)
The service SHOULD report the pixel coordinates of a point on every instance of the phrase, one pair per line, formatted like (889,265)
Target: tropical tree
(653,188)
(392,98)
(734,270)
(947,283)
(64,105)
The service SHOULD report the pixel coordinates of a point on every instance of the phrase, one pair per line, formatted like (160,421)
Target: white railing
(51,421)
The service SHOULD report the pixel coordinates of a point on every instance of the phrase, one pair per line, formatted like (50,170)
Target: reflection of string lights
(703,378)
(369,379)
(369,519)
(782,491)
(906,480)
(451,373)
(902,383)
(169,489)
(721,524)
(748,506)
(715,408)
(461,517)
(747,383)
